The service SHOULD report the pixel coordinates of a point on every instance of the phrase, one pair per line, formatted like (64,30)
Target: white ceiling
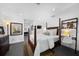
(32,10)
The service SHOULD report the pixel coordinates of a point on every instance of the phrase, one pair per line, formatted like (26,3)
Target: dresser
(4,44)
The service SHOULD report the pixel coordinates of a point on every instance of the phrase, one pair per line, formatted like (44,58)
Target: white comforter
(44,42)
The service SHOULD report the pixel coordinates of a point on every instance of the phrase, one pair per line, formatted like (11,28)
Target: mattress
(44,42)
(43,37)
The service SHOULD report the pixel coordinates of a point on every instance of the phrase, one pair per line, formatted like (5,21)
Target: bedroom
(36,18)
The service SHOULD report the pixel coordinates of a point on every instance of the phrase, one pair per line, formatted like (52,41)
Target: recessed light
(53,9)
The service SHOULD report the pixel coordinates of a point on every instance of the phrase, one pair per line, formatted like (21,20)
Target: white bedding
(44,42)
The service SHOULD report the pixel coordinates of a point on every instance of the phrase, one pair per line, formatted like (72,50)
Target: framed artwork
(2,30)
(16,28)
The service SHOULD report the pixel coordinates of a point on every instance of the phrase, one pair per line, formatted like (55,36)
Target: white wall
(18,38)
(4,19)
(27,24)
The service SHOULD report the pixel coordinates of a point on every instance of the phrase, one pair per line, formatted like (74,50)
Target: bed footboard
(33,46)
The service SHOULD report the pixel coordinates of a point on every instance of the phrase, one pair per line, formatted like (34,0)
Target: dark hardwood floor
(16,49)
(23,49)
(60,51)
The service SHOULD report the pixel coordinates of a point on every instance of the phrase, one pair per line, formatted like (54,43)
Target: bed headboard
(51,28)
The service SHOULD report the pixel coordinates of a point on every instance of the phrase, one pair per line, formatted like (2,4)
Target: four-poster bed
(41,42)
(70,27)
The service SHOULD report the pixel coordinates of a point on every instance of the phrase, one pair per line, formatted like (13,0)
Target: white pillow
(53,31)
(46,32)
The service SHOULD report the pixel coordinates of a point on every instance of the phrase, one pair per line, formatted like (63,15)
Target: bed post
(28,35)
(35,42)
(76,35)
(59,30)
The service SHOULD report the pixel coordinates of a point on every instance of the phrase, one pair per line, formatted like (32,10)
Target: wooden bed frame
(60,27)
(33,46)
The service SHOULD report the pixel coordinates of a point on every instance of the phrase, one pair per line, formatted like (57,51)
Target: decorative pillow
(46,33)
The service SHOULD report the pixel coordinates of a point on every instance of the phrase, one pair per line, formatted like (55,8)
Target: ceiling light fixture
(53,9)
(38,3)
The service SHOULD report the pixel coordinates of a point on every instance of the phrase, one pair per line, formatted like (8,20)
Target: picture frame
(16,29)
